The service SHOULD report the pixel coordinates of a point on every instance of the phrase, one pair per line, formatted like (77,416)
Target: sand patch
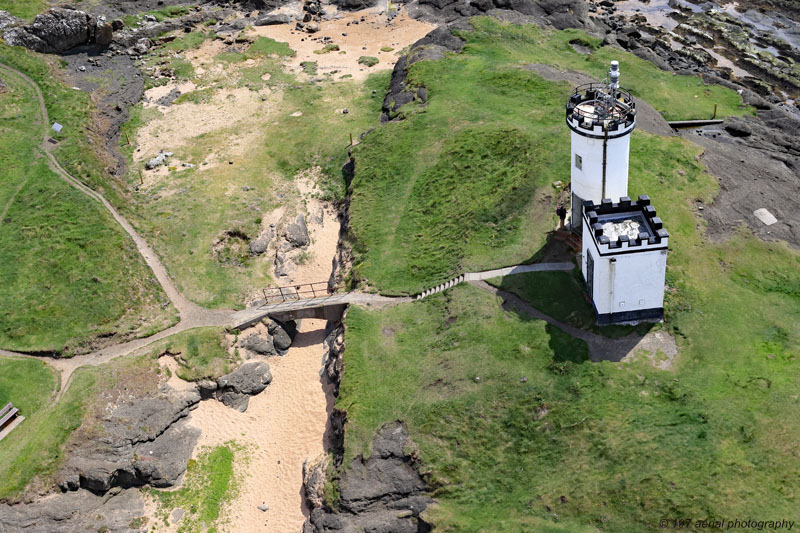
(282,427)
(363,39)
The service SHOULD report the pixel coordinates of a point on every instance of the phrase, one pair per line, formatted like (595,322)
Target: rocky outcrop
(354,5)
(333,362)
(141,441)
(59,29)
(382,494)
(431,47)
(118,511)
(560,14)
(235,389)
(315,474)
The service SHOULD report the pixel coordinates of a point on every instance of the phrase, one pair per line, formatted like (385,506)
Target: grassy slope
(68,271)
(625,444)
(33,451)
(27,383)
(464,184)
(24,9)
(184,226)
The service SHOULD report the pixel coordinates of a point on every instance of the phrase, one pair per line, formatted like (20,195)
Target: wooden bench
(9,419)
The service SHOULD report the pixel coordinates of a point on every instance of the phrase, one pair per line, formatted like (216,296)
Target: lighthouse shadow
(559,298)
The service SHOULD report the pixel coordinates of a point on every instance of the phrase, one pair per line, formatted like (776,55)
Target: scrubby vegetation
(464,183)
(200,353)
(188,227)
(69,273)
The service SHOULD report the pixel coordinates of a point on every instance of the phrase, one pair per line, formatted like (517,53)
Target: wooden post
(715,112)
(141,181)
(351,139)
(127,139)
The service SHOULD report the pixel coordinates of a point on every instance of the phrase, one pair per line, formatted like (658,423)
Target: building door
(576,216)
(590,274)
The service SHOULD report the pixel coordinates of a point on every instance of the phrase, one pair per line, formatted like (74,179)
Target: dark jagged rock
(58,30)
(75,511)
(142,442)
(260,244)
(235,389)
(384,493)
(431,47)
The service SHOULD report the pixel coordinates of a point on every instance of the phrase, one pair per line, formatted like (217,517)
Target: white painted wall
(630,282)
(587,182)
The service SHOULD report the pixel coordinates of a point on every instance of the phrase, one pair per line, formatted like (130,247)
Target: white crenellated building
(624,260)
(624,245)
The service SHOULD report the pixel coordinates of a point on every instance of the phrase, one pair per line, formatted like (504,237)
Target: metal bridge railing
(295,292)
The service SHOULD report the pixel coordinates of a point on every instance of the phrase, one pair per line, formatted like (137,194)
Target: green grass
(189,41)
(676,97)
(24,9)
(208,485)
(76,150)
(169,12)
(625,444)
(69,273)
(200,353)
(27,383)
(464,183)
(267,46)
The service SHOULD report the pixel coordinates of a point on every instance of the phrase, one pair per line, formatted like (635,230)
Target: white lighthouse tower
(601,117)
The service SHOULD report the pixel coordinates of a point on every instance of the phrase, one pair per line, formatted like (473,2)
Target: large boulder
(235,389)
(260,244)
(296,234)
(259,344)
(57,30)
(274,19)
(354,5)
(282,335)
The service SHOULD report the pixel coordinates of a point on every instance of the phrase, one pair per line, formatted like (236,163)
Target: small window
(622,304)
(578,162)
(641,302)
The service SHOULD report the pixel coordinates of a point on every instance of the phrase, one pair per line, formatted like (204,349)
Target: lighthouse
(624,244)
(601,117)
